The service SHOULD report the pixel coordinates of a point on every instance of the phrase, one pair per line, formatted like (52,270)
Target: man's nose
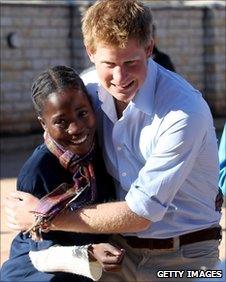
(119,74)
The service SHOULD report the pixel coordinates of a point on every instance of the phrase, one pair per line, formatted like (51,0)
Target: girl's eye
(61,122)
(83,114)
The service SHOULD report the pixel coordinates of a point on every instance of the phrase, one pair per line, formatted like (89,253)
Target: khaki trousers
(151,265)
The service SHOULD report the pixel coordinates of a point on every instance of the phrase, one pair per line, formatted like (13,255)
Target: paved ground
(10,164)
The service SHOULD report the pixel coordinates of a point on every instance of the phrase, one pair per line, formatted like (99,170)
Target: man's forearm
(113,217)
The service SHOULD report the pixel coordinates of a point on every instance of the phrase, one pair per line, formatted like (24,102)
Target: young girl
(67,155)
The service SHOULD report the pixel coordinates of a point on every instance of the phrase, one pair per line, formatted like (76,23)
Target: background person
(222,158)
(160,57)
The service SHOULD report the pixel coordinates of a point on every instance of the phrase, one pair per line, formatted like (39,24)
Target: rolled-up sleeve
(166,169)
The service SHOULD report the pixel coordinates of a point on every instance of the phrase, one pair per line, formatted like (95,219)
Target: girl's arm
(88,260)
(66,259)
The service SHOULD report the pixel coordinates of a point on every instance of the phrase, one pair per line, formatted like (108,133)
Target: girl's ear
(41,120)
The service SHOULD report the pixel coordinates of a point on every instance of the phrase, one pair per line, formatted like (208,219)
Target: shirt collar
(107,103)
(144,99)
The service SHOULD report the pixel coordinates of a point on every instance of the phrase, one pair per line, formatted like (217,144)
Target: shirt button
(119,148)
(124,174)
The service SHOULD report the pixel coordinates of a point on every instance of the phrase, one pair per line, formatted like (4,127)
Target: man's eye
(131,63)
(109,65)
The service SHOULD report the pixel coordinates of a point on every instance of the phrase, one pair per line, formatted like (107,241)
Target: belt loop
(221,235)
(176,243)
(150,244)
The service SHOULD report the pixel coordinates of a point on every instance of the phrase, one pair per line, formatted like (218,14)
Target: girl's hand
(107,255)
(18,206)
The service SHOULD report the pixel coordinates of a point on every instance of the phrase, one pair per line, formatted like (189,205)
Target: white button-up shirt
(162,152)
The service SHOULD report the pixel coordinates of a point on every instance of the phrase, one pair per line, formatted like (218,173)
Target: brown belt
(197,236)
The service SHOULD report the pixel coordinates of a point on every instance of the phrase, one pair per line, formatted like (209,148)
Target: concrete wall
(180,34)
(46,35)
(215,62)
(194,37)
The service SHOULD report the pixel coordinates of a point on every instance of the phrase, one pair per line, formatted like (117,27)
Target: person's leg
(182,261)
(200,255)
(148,265)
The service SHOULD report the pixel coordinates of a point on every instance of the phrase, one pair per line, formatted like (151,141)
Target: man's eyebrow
(108,62)
(126,61)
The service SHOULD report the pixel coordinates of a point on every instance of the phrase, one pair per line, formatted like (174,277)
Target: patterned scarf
(83,189)
(80,166)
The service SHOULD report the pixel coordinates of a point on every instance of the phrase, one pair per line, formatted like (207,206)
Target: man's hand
(18,206)
(107,255)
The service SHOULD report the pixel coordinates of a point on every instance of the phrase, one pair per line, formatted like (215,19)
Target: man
(159,144)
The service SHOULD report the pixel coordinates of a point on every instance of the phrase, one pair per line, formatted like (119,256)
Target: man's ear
(90,54)
(149,48)
(41,120)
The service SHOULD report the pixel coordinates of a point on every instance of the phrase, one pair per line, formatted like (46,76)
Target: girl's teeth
(80,140)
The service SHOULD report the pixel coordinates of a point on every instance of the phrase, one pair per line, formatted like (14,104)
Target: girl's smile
(69,119)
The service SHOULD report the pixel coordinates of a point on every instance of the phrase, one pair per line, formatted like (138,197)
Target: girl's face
(69,119)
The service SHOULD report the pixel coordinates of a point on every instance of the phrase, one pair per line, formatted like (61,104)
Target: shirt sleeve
(31,183)
(168,166)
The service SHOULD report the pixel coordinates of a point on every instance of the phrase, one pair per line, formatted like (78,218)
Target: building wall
(47,35)
(180,34)
(215,88)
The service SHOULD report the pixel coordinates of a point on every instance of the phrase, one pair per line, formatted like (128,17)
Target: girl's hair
(52,80)
(114,22)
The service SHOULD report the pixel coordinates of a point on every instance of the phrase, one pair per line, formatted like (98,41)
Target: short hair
(114,22)
(54,79)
